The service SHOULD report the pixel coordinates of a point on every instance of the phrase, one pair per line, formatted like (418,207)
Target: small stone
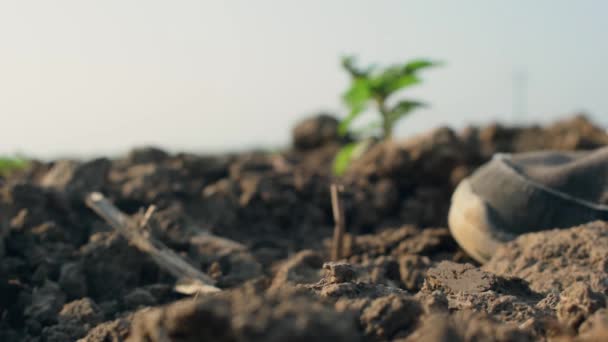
(339,272)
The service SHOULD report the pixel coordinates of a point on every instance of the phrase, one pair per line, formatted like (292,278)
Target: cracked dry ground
(65,275)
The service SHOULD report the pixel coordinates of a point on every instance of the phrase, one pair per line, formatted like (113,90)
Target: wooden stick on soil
(147,216)
(339,228)
(164,257)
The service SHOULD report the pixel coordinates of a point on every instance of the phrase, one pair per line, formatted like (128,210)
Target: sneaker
(515,194)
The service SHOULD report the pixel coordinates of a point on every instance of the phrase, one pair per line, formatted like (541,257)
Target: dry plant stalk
(339,228)
(163,256)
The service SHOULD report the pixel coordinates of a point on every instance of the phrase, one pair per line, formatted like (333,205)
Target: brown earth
(66,275)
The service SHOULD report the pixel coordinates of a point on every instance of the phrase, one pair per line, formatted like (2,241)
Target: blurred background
(82,78)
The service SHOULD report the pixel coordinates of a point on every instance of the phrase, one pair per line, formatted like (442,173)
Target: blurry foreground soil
(66,275)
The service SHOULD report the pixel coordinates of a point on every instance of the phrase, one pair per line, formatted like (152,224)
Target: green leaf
(348,63)
(397,77)
(347,154)
(391,80)
(402,109)
(9,165)
(358,94)
(418,64)
(356,98)
(401,82)
(369,85)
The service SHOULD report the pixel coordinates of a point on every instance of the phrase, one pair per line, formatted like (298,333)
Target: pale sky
(82,77)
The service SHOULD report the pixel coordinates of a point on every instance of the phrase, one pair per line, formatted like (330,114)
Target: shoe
(514,194)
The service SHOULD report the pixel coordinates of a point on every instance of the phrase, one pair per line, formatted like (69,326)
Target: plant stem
(387,130)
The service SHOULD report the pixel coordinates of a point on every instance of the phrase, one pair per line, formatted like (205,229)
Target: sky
(83,77)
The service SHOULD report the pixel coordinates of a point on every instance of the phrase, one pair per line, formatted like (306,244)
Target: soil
(260,223)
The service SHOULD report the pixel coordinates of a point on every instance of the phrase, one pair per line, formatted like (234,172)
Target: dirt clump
(73,179)
(302,268)
(74,321)
(245,316)
(383,311)
(556,259)
(412,269)
(111,331)
(467,326)
(315,132)
(577,303)
(470,288)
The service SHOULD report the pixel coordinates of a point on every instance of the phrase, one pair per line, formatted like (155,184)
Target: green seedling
(373,87)
(9,165)
(347,154)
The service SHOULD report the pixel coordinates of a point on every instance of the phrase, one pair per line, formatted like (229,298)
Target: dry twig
(147,216)
(164,257)
(339,228)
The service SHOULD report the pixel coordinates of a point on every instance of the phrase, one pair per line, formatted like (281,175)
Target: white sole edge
(470,226)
